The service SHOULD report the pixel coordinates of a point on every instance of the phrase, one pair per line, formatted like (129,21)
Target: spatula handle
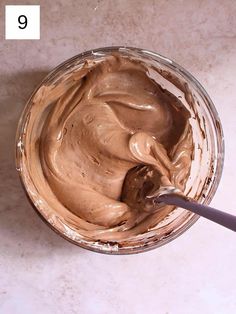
(222,218)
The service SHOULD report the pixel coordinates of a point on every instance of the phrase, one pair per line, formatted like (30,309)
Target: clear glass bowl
(206,168)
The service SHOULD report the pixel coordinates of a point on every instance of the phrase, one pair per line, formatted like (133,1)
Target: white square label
(22,22)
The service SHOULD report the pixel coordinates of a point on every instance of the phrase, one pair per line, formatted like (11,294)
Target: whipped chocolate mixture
(99,123)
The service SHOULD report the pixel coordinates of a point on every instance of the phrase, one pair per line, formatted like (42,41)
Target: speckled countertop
(41,272)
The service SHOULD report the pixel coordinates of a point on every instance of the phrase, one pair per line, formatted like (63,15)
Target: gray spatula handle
(222,218)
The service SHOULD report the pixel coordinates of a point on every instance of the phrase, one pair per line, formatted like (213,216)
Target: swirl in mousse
(105,120)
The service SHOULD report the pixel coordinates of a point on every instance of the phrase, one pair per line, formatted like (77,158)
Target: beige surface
(42,273)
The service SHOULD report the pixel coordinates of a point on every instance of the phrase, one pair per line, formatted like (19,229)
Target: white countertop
(43,273)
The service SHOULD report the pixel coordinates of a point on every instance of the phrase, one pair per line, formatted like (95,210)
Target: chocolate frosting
(105,120)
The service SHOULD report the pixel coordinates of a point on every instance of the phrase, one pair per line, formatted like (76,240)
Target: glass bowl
(206,168)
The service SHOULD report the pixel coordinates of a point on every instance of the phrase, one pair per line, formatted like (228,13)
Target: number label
(22,20)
